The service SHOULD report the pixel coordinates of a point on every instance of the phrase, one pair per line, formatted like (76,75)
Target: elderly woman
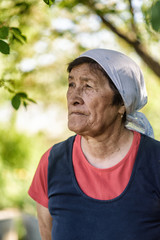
(103,183)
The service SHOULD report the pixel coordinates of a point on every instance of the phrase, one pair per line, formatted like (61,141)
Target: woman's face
(89,97)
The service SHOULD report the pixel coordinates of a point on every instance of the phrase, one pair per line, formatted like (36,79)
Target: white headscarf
(128,78)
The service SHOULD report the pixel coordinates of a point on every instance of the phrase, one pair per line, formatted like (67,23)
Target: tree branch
(117,31)
(132,41)
(131,9)
(135,43)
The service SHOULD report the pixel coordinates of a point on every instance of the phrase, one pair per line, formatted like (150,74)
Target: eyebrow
(85,78)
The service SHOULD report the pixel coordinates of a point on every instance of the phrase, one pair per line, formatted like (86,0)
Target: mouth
(77,113)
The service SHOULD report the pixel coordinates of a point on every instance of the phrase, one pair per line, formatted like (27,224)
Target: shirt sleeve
(38,190)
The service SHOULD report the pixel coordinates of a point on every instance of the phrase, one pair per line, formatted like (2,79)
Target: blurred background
(37,41)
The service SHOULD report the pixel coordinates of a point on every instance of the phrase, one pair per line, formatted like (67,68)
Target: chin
(77,129)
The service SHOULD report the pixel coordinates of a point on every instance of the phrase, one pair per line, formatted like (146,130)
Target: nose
(77,101)
(75,97)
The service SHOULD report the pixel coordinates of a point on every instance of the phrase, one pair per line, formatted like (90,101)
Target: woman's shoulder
(63,144)
(149,147)
(150,142)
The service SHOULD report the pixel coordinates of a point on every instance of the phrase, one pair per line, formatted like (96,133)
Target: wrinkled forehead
(88,66)
(90,73)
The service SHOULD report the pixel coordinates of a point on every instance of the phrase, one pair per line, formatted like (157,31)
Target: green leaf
(46,1)
(49,2)
(155,16)
(18,35)
(31,100)
(16,101)
(25,104)
(4,31)
(68,4)
(22,94)
(4,47)
(9,89)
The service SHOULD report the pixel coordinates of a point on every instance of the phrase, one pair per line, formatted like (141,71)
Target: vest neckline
(79,191)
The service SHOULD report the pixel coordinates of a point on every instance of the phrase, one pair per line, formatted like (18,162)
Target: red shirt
(102,184)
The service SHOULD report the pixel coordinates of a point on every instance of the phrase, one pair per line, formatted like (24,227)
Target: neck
(106,150)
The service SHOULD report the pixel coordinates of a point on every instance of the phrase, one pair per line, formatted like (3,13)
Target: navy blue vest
(133,215)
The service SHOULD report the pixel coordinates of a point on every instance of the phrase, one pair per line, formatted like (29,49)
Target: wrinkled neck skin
(108,149)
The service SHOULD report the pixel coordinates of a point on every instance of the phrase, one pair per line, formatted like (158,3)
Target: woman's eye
(88,86)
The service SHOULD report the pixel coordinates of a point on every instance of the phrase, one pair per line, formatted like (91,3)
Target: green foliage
(4,47)
(4,31)
(68,4)
(152,17)
(13,34)
(155,16)
(17,35)
(14,151)
(4,34)
(14,157)
(49,2)
(19,156)
(9,35)
(18,97)
(16,101)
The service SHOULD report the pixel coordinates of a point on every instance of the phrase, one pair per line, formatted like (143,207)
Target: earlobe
(122,110)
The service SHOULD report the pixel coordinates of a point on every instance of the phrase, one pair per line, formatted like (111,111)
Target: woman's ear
(122,110)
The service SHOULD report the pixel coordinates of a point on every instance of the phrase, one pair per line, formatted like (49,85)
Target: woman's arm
(44,221)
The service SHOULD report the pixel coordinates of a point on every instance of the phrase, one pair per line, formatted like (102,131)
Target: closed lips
(77,113)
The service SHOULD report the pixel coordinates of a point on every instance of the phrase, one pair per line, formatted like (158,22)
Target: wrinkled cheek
(96,120)
(68,97)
